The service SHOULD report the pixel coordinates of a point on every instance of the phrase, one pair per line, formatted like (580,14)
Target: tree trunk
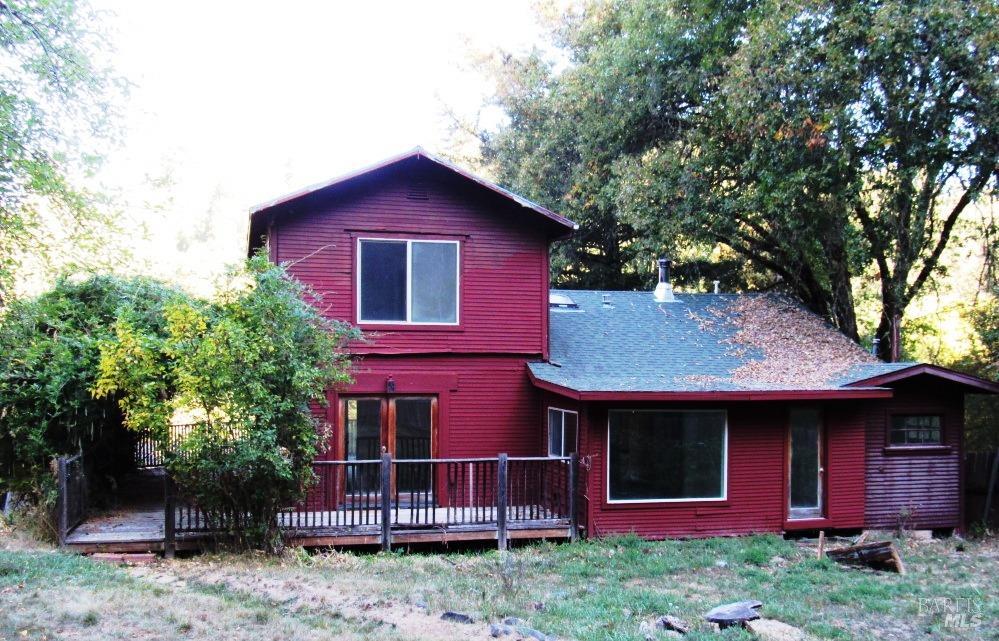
(843,313)
(835,305)
(889,347)
(841,306)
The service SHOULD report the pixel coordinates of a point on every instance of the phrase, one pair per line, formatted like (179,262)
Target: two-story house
(692,413)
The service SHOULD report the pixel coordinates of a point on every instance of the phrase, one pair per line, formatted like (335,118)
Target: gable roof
(739,346)
(260,211)
(905,371)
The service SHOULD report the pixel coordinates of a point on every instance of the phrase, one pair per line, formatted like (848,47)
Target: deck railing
(72,504)
(149,452)
(380,497)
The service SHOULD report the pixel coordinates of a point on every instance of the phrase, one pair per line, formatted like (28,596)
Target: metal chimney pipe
(664,265)
(664,290)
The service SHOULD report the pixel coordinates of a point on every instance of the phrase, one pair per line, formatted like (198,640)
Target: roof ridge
(415,152)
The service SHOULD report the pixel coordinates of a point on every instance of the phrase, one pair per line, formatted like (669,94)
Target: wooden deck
(142,529)
(370,502)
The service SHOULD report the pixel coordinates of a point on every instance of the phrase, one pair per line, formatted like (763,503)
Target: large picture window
(915,430)
(666,455)
(408,281)
(562,432)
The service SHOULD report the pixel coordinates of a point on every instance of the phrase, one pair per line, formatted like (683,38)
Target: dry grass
(594,590)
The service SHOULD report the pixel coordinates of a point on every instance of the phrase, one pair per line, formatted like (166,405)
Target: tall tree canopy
(811,141)
(56,109)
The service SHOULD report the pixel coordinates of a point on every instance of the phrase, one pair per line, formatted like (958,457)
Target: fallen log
(880,555)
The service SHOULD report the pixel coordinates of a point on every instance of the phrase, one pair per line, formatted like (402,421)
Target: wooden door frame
(340,440)
(387,418)
(387,430)
(822,509)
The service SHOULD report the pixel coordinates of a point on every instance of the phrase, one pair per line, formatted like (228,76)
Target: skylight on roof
(561,301)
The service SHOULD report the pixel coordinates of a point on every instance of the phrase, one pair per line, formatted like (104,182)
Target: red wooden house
(692,414)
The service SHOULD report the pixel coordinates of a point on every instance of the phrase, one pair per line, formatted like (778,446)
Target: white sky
(237,103)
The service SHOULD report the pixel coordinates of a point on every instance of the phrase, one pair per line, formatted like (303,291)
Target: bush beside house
(249,363)
(88,365)
(49,355)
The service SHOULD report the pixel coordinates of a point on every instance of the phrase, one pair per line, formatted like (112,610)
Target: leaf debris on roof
(800,350)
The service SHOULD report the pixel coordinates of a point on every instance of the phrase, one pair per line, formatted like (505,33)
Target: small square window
(915,430)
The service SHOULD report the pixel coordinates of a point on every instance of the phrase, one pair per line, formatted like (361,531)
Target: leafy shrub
(49,355)
(251,362)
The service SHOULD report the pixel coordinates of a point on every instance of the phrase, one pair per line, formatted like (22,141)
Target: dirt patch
(303,596)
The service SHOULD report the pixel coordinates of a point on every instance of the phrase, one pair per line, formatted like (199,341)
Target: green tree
(56,112)
(49,355)
(813,139)
(251,363)
(632,81)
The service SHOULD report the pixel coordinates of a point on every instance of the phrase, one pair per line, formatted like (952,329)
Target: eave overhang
(972,384)
(713,395)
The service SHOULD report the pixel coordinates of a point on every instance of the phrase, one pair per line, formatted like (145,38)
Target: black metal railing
(346,495)
(72,503)
(385,496)
(150,452)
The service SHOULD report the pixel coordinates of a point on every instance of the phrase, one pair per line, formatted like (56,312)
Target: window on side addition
(915,429)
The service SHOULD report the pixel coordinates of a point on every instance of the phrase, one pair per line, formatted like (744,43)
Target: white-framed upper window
(666,455)
(563,432)
(407,281)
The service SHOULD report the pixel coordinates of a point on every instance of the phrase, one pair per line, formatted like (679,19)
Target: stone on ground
(670,622)
(773,630)
(734,613)
(457,617)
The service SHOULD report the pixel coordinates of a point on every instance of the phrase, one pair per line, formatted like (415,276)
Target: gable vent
(418,190)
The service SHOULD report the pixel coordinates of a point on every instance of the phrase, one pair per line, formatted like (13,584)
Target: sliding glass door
(362,428)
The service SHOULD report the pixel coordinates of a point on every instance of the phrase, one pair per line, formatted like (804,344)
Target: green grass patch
(600,590)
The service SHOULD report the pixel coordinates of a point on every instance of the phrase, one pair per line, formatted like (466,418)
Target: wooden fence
(72,503)
(380,497)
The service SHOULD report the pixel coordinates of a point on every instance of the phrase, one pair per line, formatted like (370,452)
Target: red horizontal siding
(755,483)
(928,485)
(756,494)
(844,465)
(487,405)
(504,267)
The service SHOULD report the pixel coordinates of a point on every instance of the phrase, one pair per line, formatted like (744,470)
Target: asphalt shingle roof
(694,344)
